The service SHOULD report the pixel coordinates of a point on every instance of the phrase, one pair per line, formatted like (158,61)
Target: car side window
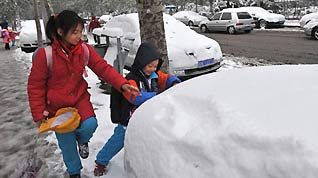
(226,16)
(216,16)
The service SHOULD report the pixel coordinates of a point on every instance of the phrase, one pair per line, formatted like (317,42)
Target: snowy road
(289,47)
(18,132)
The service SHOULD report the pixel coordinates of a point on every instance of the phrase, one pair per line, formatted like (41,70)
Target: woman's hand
(129,88)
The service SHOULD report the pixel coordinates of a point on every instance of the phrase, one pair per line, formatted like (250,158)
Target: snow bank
(255,122)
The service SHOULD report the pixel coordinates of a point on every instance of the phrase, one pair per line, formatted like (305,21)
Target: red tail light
(239,24)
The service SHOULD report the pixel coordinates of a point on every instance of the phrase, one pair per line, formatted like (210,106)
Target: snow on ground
(292,23)
(255,122)
(241,144)
(285,29)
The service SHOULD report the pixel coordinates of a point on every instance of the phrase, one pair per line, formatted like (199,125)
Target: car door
(225,21)
(213,25)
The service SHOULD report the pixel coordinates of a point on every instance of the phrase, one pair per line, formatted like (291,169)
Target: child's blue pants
(112,146)
(68,145)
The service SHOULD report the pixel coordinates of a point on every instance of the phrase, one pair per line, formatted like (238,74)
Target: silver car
(189,18)
(230,22)
(311,28)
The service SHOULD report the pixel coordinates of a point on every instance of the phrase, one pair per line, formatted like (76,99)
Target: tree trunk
(37,22)
(48,7)
(196,6)
(152,27)
(211,6)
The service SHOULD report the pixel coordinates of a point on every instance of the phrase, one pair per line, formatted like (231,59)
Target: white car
(189,53)
(311,28)
(263,18)
(28,36)
(29,39)
(104,18)
(189,18)
(307,18)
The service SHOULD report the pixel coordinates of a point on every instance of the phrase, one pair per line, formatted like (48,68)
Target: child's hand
(45,117)
(129,88)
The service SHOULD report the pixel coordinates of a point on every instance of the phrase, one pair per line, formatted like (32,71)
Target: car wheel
(190,23)
(315,33)
(28,50)
(231,30)
(262,24)
(204,29)
(248,31)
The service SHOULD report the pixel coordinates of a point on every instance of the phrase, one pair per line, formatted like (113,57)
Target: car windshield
(216,16)
(243,15)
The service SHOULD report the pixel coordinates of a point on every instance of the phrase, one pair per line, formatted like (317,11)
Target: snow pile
(257,122)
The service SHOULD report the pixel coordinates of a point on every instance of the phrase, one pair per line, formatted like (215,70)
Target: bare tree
(48,7)
(152,27)
(37,22)
(211,6)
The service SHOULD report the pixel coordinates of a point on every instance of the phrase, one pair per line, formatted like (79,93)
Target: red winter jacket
(64,85)
(93,24)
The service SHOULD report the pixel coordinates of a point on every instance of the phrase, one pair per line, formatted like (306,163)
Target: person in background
(92,25)
(6,38)
(12,35)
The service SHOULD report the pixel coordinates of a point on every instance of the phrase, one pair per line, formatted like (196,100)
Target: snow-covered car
(104,18)
(311,28)
(189,18)
(263,18)
(189,53)
(230,21)
(29,39)
(28,36)
(307,18)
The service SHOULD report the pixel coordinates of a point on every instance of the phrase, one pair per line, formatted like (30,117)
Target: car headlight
(179,72)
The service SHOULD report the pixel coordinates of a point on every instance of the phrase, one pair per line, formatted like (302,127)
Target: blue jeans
(112,146)
(68,145)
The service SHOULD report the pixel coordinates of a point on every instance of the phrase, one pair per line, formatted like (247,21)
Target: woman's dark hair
(66,20)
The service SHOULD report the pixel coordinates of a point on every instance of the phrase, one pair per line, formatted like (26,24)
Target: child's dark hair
(66,20)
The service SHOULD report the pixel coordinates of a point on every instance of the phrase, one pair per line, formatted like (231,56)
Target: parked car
(189,18)
(104,18)
(29,39)
(206,14)
(311,28)
(189,53)
(230,21)
(28,36)
(307,18)
(262,17)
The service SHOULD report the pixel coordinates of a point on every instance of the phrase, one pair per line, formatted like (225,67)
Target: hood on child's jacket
(146,53)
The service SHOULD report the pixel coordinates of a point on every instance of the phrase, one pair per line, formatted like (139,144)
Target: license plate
(205,62)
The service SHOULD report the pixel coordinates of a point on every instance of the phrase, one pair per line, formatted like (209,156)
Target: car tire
(204,29)
(262,24)
(190,23)
(28,50)
(314,33)
(247,31)
(231,30)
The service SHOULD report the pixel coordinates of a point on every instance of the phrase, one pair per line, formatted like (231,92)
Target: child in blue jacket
(145,75)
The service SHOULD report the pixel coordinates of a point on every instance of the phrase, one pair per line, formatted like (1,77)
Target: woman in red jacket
(61,84)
